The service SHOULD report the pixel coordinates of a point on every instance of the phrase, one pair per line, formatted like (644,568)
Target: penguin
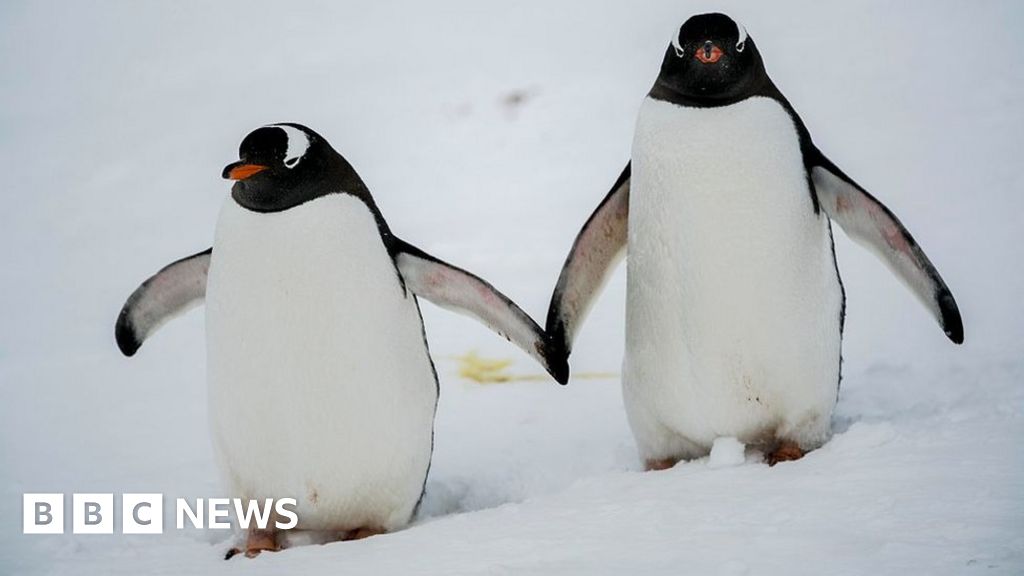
(735,307)
(321,386)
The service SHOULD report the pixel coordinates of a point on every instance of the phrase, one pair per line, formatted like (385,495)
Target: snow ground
(118,117)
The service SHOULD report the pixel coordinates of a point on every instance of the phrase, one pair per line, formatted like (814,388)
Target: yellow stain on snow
(482,370)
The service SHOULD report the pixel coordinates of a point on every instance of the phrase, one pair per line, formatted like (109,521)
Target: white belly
(733,314)
(321,387)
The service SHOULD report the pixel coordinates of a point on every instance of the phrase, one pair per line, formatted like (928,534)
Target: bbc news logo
(144,513)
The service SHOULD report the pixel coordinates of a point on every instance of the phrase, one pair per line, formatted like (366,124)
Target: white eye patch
(675,44)
(741,41)
(298,143)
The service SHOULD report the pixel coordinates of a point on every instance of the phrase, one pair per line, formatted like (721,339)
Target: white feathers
(732,316)
(320,386)
(298,143)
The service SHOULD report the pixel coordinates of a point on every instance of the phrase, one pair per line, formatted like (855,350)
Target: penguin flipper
(457,290)
(869,223)
(598,249)
(173,290)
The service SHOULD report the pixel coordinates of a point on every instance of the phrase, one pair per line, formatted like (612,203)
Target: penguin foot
(257,541)
(663,464)
(360,533)
(786,451)
(260,540)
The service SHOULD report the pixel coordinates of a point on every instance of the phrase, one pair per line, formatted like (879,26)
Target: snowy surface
(488,132)
(725,452)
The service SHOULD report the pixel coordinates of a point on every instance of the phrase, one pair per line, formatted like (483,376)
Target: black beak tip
(226,173)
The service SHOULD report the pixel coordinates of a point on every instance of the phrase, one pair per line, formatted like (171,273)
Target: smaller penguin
(735,308)
(321,386)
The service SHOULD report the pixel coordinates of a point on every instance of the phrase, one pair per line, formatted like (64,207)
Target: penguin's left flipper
(869,223)
(457,290)
(172,291)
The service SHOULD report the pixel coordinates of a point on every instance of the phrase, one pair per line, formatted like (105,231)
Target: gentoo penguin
(321,385)
(735,308)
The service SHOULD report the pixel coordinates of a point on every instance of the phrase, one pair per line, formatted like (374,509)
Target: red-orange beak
(241,171)
(709,53)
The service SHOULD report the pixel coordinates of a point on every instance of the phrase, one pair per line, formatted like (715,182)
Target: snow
(725,452)
(488,133)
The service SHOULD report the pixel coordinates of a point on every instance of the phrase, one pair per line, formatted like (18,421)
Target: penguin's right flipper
(598,249)
(869,223)
(173,290)
(457,290)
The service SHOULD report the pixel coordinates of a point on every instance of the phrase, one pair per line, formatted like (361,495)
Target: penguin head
(282,165)
(712,59)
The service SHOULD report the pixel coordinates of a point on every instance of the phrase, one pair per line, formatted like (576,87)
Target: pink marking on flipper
(894,237)
(842,204)
(436,278)
(487,295)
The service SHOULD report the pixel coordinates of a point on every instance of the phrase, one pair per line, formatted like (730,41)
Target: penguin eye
(741,45)
(291,162)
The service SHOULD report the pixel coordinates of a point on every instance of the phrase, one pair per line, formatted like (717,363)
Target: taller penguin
(735,308)
(321,386)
